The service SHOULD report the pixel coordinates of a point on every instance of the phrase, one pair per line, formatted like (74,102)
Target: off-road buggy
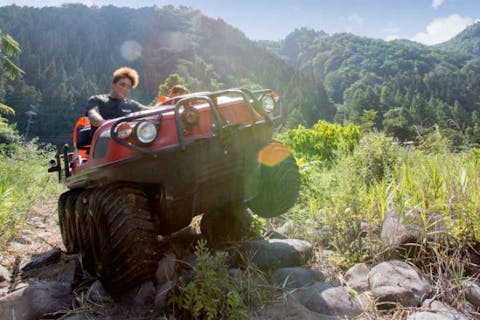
(151,172)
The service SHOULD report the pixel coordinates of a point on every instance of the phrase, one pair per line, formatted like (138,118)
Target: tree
(169,82)
(8,48)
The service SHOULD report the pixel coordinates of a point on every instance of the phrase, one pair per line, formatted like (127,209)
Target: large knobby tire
(122,237)
(62,200)
(279,182)
(82,223)
(66,219)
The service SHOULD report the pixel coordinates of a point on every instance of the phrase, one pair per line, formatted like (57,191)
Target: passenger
(103,107)
(175,91)
(80,152)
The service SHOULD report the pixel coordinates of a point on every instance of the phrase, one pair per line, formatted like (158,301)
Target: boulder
(46,258)
(296,277)
(277,253)
(397,282)
(166,269)
(289,310)
(330,299)
(472,292)
(443,309)
(36,300)
(357,277)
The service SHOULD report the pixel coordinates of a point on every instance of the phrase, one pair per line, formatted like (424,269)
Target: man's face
(121,88)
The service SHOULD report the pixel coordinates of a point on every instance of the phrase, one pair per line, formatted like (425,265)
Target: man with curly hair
(102,107)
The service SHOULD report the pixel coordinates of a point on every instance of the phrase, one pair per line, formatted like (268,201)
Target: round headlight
(145,132)
(268,103)
(123,130)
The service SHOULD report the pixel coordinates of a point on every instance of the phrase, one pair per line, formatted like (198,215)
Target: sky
(425,21)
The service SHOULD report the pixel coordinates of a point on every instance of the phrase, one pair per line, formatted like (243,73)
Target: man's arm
(95,118)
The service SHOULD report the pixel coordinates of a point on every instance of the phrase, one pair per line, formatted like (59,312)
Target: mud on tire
(122,249)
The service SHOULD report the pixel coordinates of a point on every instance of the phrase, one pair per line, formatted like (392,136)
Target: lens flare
(273,153)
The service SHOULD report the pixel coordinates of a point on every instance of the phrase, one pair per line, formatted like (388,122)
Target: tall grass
(23,181)
(343,206)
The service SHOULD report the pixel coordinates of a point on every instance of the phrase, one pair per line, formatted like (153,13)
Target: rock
(46,258)
(36,300)
(141,295)
(166,269)
(4,277)
(296,277)
(97,293)
(428,316)
(162,295)
(397,231)
(235,273)
(272,234)
(357,277)
(289,310)
(330,299)
(70,272)
(81,316)
(277,253)
(394,232)
(286,228)
(472,292)
(443,309)
(397,282)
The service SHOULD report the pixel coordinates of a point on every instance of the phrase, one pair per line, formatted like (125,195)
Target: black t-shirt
(110,108)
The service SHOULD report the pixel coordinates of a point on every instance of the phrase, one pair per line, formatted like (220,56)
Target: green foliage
(367,74)
(211,294)
(8,48)
(8,134)
(323,142)
(24,180)
(343,206)
(374,158)
(170,81)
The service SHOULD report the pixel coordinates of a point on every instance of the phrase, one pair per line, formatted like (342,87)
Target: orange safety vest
(162,99)
(81,123)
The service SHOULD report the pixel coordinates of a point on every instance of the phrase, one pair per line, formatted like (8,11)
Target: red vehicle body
(207,153)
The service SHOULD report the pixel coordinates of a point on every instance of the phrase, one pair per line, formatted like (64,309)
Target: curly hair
(178,89)
(126,72)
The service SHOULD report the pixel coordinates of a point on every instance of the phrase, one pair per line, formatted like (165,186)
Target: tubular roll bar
(249,97)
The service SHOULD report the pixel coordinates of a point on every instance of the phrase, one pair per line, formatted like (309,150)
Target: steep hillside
(402,83)
(467,41)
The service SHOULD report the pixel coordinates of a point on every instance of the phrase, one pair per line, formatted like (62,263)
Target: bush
(211,294)
(321,143)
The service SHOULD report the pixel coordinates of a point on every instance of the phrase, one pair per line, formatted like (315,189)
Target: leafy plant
(211,294)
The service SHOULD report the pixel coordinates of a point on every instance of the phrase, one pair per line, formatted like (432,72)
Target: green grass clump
(23,180)
(215,294)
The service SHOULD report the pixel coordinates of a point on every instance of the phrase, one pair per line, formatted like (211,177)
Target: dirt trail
(38,235)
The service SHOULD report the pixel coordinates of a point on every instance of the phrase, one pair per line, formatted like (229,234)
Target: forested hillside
(467,42)
(399,86)
(70,52)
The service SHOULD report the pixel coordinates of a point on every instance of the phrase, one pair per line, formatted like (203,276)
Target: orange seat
(80,153)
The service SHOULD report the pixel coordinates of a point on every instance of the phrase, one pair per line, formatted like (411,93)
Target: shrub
(211,294)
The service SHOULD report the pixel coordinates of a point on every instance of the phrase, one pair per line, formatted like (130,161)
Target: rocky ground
(38,280)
